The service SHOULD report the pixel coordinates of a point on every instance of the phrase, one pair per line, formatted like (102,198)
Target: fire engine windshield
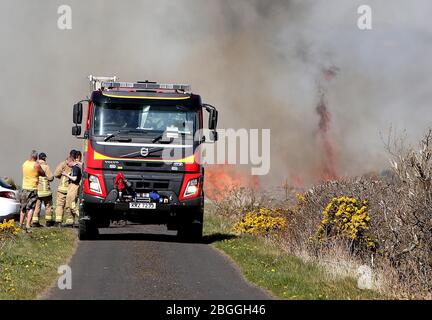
(136,119)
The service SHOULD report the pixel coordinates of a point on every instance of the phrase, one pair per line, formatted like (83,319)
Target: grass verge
(286,276)
(28,264)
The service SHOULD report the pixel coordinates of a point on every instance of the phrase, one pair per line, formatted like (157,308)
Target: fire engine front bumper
(171,214)
(99,204)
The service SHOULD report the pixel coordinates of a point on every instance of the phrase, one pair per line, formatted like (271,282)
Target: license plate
(142,205)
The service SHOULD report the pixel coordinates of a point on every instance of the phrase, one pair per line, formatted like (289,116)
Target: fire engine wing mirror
(76,130)
(77,113)
(213,119)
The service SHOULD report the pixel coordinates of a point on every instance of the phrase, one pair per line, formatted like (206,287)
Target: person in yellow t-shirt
(31,172)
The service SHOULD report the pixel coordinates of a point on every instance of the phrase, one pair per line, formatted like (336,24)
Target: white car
(9,202)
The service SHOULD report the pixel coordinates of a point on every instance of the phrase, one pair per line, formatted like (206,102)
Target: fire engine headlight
(94,184)
(191,188)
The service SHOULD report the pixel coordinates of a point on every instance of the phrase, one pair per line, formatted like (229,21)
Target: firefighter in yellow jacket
(71,207)
(44,194)
(63,167)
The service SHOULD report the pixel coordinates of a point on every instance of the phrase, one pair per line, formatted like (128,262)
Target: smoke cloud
(258,61)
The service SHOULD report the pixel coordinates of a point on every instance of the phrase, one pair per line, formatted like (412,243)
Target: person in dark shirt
(71,207)
(76,175)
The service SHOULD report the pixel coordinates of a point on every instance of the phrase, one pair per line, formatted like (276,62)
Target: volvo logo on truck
(117,185)
(144,152)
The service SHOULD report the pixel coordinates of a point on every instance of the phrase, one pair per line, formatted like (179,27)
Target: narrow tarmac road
(147,262)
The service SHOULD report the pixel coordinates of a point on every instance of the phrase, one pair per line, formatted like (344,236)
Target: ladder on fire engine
(110,83)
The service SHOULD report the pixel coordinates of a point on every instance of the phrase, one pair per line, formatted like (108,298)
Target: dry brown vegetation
(399,223)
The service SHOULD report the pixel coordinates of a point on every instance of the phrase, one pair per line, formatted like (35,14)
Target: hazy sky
(258,61)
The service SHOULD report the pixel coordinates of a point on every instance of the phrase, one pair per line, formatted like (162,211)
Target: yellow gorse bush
(300,198)
(261,222)
(8,229)
(346,217)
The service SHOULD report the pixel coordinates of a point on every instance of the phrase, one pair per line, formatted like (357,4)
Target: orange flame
(328,169)
(328,166)
(220,179)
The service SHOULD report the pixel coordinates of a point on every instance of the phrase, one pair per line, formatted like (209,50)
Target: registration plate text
(142,205)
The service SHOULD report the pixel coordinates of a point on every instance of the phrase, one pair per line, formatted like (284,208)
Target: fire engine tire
(192,230)
(104,223)
(87,230)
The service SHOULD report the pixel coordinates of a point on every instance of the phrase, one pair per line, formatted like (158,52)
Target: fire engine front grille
(159,185)
(148,181)
(131,165)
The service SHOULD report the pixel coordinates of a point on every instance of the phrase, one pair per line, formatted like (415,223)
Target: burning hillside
(223,177)
(219,179)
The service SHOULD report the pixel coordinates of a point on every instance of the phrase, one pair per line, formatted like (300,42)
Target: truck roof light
(145,86)
(101,83)
(95,82)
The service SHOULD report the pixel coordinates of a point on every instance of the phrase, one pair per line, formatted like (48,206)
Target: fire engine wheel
(87,230)
(104,223)
(191,230)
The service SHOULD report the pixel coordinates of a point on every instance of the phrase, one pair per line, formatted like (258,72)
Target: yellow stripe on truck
(144,97)
(99,156)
